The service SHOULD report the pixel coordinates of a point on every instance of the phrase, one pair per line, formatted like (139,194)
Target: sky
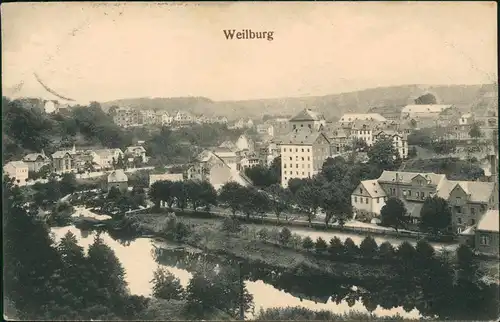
(110,51)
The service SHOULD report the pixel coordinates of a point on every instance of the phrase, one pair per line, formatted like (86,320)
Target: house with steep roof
(368,196)
(468,200)
(118,179)
(17,170)
(105,158)
(302,154)
(487,234)
(65,161)
(245,143)
(36,161)
(399,141)
(308,119)
(210,167)
(137,151)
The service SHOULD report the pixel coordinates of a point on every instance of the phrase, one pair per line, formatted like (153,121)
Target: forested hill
(27,129)
(333,106)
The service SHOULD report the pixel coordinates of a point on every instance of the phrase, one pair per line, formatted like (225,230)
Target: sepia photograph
(262,161)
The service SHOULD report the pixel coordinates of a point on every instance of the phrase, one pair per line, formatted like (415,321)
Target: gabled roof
(61,154)
(106,153)
(489,222)
(17,164)
(34,156)
(137,147)
(407,177)
(425,108)
(307,115)
(117,176)
(477,191)
(373,188)
(303,137)
(351,117)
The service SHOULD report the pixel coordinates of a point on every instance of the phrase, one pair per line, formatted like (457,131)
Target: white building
(165,177)
(302,154)
(308,119)
(369,197)
(466,119)
(135,152)
(245,143)
(104,157)
(17,170)
(351,117)
(423,111)
(399,141)
(118,179)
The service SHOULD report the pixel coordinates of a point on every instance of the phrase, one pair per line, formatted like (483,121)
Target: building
(248,161)
(183,118)
(105,158)
(265,129)
(65,161)
(118,179)
(466,119)
(165,177)
(302,153)
(308,119)
(486,239)
(18,170)
(127,117)
(399,141)
(423,111)
(349,118)
(368,197)
(210,167)
(339,140)
(468,200)
(229,157)
(281,126)
(245,143)
(36,161)
(137,151)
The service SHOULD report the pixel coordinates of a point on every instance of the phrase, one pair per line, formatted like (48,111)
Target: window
(302,158)
(297,172)
(291,165)
(409,193)
(307,150)
(308,166)
(290,158)
(473,211)
(284,165)
(308,158)
(297,166)
(302,151)
(355,199)
(284,149)
(423,195)
(458,209)
(302,166)
(459,220)
(296,150)
(418,194)
(366,200)
(472,222)
(378,200)
(484,240)
(302,173)
(360,190)
(309,125)
(301,125)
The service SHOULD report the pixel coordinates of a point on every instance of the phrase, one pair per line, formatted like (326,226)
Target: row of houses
(128,117)
(73,160)
(473,205)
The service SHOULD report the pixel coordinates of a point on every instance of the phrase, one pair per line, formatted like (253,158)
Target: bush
(263,234)
(296,241)
(350,247)
(368,247)
(231,225)
(284,236)
(320,245)
(336,247)
(307,243)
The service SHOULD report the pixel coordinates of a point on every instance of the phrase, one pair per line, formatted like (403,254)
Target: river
(138,261)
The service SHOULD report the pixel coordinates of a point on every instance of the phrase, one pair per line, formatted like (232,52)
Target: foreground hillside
(332,106)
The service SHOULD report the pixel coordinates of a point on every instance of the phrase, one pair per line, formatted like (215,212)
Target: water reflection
(269,287)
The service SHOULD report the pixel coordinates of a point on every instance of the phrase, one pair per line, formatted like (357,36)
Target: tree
(285,235)
(208,196)
(295,184)
(350,247)
(336,247)
(211,290)
(475,131)
(307,243)
(296,241)
(166,286)
(424,253)
(393,214)
(426,99)
(233,195)
(233,225)
(320,245)
(368,247)
(309,198)
(412,152)
(359,145)
(262,176)
(384,155)
(386,251)
(263,234)
(336,202)
(193,193)
(435,215)
(406,254)
(156,193)
(179,193)
(279,200)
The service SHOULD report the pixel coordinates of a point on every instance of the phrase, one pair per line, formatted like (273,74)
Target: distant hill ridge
(386,99)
